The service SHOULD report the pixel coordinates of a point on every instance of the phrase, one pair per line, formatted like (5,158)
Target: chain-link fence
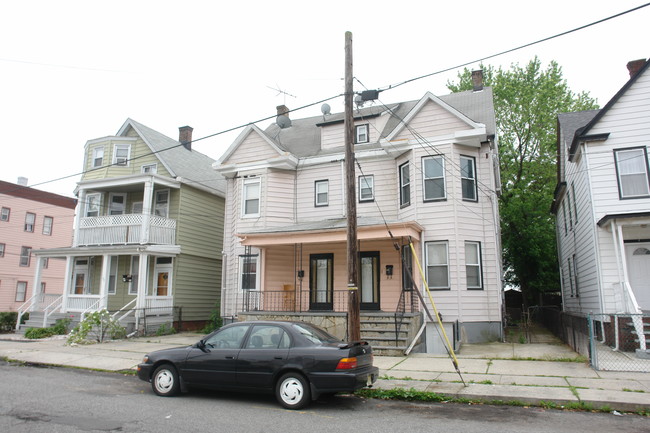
(618,342)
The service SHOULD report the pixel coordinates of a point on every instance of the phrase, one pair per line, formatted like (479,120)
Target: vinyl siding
(253,148)
(432,120)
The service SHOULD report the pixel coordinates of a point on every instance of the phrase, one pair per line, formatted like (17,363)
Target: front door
(163,276)
(321,281)
(80,276)
(369,280)
(638,268)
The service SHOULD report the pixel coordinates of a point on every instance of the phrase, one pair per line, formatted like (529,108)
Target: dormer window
(121,154)
(361,133)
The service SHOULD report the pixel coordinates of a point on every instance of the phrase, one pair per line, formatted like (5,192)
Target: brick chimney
(635,66)
(185,136)
(477,80)
(283,110)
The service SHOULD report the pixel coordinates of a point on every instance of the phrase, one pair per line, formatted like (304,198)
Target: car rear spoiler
(352,344)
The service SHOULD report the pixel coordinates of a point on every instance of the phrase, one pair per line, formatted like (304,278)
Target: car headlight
(145,359)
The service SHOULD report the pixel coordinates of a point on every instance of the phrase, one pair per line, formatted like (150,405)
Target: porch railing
(125,229)
(39,302)
(293,301)
(81,303)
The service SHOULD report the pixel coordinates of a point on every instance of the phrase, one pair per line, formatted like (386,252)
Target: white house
(602,208)
(427,172)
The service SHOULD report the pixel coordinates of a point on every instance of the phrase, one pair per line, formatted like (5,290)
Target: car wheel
(292,391)
(165,381)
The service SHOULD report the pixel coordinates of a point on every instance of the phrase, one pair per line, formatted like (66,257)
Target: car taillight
(347,364)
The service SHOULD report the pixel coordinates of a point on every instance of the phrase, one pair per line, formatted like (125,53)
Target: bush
(215,321)
(97,326)
(8,321)
(60,328)
(165,329)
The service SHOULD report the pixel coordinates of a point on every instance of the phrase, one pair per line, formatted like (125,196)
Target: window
(366,188)
(162,203)
(251,197)
(569,266)
(92,204)
(361,133)
(4,214)
(404,185)
(231,337)
(575,276)
(407,268)
(30,220)
(568,203)
(433,169)
(98,157)
(136,207)
(150,168)
(112,275)
(25,256)
(632,172)
(2,250)
(248,271)
(116,204)
(21,291)
(268,337)
(47,225)
(321,193)
(135,272)
(564,218)
(575,207)
(473,265)
(468,177)
(121,154)
(437,265)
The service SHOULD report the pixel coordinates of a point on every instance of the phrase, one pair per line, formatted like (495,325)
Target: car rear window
(314,334)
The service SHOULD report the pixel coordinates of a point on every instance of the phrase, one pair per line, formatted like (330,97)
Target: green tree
(526,102)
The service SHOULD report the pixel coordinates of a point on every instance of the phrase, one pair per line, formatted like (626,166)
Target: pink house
(31,219)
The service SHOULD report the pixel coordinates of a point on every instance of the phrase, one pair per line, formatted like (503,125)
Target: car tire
(292,391)
(164,381)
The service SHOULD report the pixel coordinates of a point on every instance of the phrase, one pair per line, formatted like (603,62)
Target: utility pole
(354,321)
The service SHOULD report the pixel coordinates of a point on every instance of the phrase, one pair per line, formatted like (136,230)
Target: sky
(73,71)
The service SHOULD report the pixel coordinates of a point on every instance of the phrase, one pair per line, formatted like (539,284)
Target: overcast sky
(72,71)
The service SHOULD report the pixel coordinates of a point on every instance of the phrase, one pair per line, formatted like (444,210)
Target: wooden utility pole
(354,321)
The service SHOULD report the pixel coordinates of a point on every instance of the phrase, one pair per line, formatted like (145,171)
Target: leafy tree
(527,100)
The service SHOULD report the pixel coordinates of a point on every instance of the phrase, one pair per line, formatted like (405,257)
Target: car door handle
(277,357)
(230,357)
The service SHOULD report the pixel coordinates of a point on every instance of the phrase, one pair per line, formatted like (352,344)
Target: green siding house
(148,234)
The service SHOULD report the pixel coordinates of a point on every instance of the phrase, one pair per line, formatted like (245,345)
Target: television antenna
(281,92)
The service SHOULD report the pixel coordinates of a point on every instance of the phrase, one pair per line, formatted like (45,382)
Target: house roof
(28,193)
(303,137)
(581,133)
(188,166)
(569,123)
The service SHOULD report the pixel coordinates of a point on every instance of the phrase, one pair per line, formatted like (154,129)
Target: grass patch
(633,390)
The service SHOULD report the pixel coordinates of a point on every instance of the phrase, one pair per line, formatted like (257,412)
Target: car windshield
(314,334)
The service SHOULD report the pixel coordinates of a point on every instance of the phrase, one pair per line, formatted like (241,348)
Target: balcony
(125,230)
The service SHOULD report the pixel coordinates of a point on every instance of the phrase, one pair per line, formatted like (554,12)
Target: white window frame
(25,256)
(48,223)
(465,178)
(321,188)
(116,208)
(369,181)
(161,207)
(30,222)
(98,157)
(149,168)
(246,187)
(121,161)
(95,204)
(112,275)
(135,275)
(477,265)
(404,185)
(361,134)
(620,157)
(5,214)
(440,158)
(240,275)
(429,264)
(136,207)
(21,291)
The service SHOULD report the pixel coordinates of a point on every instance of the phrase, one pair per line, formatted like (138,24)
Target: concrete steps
(378,329)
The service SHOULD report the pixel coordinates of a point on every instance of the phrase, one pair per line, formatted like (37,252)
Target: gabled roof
(188,166)
(242,136)
(302,139)
(581,133)
(28,193)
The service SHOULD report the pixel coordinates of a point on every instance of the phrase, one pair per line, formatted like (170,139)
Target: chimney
(635,66)
(477,80)
(185,136)
(283,110)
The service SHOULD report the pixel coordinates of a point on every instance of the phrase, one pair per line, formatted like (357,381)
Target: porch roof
(114,250)
(334,230)
(635,218)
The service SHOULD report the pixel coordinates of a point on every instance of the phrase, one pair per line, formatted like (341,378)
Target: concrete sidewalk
(491,372)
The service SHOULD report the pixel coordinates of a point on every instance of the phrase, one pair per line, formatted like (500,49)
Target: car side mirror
(200,345)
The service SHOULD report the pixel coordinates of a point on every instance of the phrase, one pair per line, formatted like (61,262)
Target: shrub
(8,321)
(215,321)
(165,329)
(97,326)
(60,328)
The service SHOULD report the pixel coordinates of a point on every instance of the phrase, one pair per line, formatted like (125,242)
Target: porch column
(103,282)
(81,205)
(36,290)
(147,203)
(67,282)
(143,280)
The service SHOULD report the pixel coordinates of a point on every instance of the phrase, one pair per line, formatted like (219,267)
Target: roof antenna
(281,92)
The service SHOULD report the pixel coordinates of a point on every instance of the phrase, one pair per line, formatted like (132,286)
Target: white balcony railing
(125,229)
